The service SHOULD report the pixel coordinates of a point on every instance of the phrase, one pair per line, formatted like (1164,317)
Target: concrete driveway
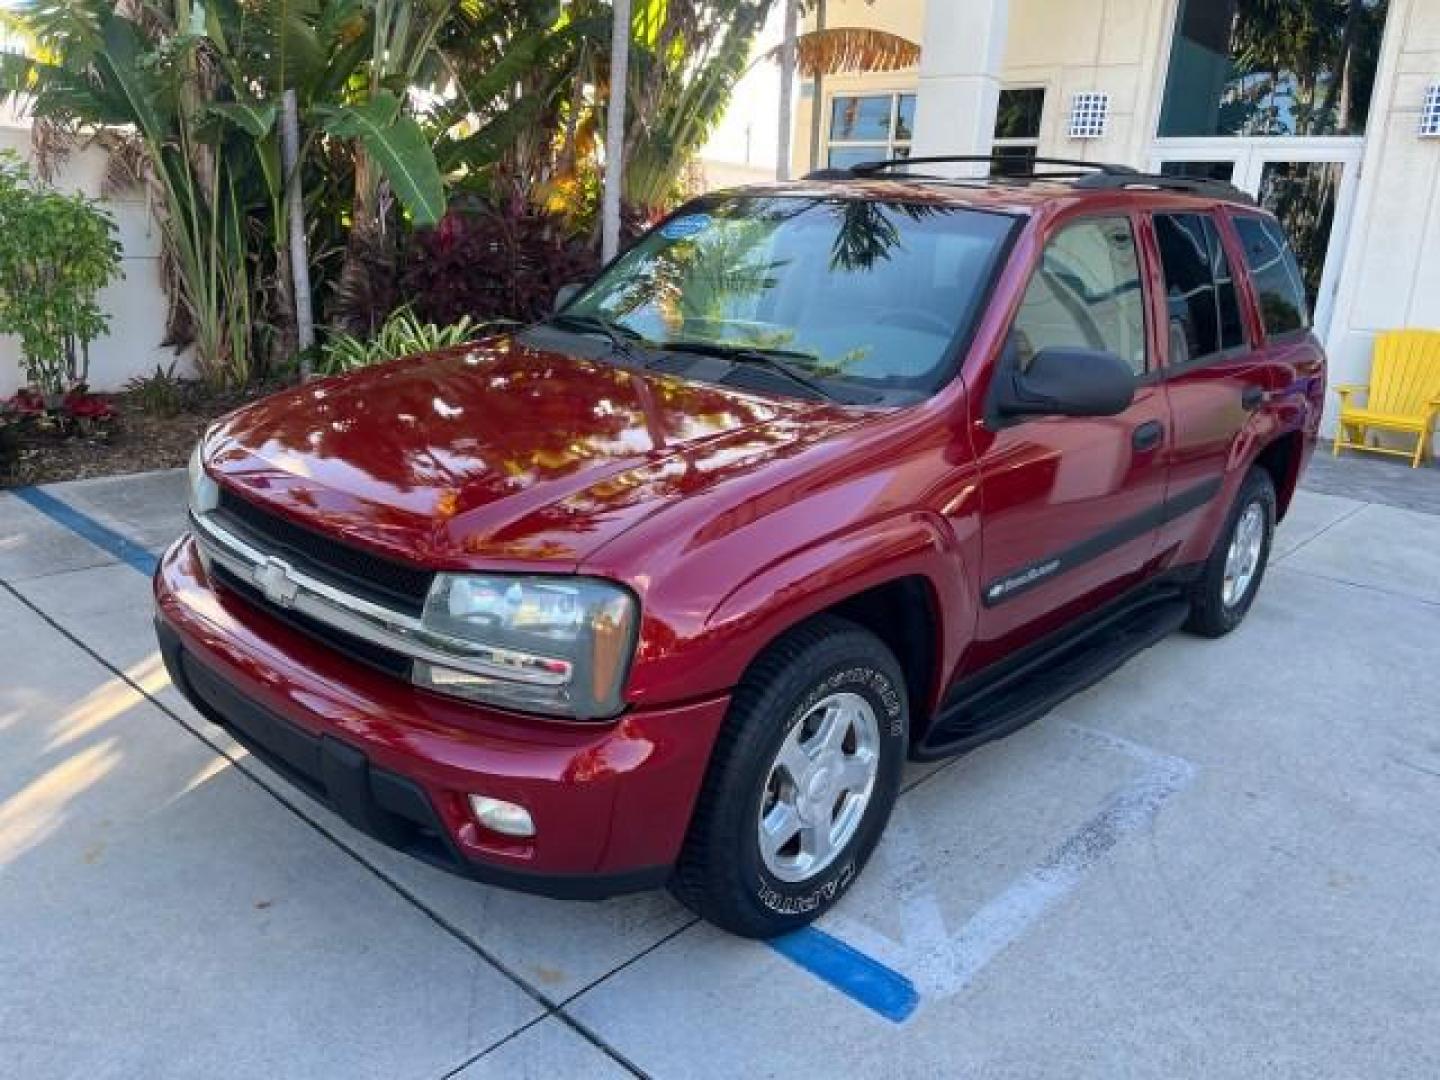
(1221,861)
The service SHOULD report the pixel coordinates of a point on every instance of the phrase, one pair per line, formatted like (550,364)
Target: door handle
(1251,398)
(1148,435)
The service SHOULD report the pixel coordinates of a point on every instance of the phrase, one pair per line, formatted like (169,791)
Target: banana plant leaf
(398,146)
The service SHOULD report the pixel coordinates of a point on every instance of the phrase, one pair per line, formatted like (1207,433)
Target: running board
(992,704)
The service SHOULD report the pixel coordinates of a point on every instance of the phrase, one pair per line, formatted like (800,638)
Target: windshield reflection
(860,290)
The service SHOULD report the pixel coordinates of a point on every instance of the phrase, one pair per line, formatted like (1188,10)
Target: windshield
(846,291)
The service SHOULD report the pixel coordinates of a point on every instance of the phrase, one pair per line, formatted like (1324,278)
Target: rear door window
(1085,294)
(1279,287)
(1200,299)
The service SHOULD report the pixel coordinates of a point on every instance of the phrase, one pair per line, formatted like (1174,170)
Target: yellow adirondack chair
(1403,394)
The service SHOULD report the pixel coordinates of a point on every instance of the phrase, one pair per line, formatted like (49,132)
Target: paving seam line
(591,985)
(241,765)
(1311,539)
(1392,594)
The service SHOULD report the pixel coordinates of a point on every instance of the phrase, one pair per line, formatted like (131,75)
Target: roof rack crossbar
(870,168)
(1082,174)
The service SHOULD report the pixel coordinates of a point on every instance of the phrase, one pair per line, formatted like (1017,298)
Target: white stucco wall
(1116,46)
(135,302)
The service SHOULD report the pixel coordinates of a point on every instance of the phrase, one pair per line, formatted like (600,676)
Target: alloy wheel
(819,786)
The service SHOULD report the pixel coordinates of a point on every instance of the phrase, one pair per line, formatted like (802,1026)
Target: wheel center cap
(818,786)
(816,797)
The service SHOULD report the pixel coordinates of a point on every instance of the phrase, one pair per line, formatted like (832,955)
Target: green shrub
(56,253)
(402,335)
(161,393)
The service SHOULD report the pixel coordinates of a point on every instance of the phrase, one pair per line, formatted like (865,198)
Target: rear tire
(805,772)
(1232,574)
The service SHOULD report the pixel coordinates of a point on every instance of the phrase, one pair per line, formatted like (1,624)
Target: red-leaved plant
(77,411)
(492,263)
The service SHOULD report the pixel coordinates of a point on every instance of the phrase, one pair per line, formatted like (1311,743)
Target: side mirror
(566,293)
(1067,382)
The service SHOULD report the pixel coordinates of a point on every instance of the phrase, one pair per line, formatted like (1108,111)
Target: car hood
(499,453)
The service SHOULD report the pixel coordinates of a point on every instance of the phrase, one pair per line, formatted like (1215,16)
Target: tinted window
(870,127)
(1199,170)
(1085,294)
(1013,160)
(1204,313)
(856,118)
(1017,115)
(1276,275)
(1017,130)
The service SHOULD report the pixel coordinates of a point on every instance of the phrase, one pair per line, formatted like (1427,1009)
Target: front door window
(1085,294)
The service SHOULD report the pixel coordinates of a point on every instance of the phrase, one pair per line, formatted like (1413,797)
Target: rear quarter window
(1203,312)
(1279,289)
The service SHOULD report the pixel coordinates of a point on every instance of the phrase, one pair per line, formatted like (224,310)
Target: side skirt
(1012,692)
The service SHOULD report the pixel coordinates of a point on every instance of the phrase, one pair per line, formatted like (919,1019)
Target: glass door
(1312,199)
(1308,184)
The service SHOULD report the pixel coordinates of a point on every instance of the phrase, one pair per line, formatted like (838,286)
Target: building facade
(1328,113)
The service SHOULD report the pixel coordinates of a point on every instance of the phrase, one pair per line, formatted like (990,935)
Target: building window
(1017,130)
(1199,170)
(1288,67)
(870,127)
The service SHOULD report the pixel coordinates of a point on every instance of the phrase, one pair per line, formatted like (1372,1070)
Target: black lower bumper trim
(386,805)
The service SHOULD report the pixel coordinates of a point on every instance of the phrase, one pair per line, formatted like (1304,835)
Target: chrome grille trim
(356,616)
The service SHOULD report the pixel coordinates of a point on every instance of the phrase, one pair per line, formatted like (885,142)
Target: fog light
(503,817)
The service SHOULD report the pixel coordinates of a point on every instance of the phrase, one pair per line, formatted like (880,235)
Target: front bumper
(611,802)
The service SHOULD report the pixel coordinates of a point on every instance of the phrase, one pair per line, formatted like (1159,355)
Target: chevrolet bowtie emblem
(273,577)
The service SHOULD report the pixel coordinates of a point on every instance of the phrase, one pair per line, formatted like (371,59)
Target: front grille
(371,577)
(377,656)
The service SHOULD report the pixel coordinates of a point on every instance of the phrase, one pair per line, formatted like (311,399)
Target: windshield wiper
(620,336)
(777,360)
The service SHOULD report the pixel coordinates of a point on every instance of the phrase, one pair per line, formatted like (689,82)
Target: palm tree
(787,87)
(615,130)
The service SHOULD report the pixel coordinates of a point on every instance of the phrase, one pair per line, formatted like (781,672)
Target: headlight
(204,492)
(543,644)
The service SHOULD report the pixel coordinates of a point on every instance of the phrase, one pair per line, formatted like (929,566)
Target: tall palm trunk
(787,89)
(817,95)
(615,130)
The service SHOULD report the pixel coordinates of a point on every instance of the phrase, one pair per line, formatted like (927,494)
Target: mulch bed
(134,441)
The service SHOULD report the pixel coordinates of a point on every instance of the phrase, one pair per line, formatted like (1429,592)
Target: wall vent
(1430,112)
(1089,114)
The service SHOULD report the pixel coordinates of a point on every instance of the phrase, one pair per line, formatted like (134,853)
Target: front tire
(1232,574)
(805,772)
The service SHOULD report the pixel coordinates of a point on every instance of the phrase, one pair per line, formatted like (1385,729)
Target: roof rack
(1191,185)
(870,168)
(1083,174)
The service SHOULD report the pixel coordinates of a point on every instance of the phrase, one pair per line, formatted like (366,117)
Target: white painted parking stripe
(941,963)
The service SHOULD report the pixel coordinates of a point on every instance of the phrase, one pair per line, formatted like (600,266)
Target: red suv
(813,479)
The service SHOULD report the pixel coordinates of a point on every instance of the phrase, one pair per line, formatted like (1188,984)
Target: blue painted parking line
(82,524)
(850,971)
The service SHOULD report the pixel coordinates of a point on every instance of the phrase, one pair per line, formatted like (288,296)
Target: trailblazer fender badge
(1005,586)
